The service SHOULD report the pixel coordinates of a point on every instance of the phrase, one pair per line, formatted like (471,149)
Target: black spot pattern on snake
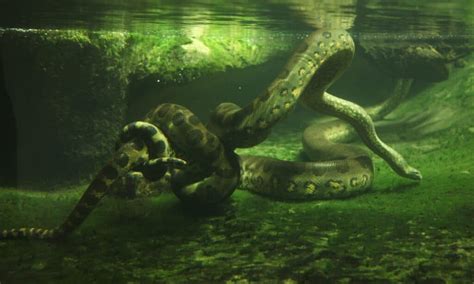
(98,185)
(195,137)
(178,119)
(150,131)
(122,160)
(141,160)
(110,172)
(138,145)
(160,147)
(194,120)
(302,48)
(163,110)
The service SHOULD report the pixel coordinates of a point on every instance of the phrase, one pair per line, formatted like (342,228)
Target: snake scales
(201,160)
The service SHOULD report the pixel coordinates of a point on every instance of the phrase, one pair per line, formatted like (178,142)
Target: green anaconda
(200,158)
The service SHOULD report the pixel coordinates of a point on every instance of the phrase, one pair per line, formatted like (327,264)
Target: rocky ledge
(69,89)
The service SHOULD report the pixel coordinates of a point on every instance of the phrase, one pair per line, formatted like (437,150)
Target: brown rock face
(68,101)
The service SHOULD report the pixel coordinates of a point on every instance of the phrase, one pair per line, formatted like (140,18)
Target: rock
(67,91)
(409,60)
(70,89)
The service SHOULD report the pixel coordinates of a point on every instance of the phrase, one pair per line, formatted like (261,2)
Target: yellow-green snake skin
(200,160)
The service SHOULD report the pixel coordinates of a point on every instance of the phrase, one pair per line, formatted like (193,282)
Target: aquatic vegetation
(71,83)
(396,233)
(205,169)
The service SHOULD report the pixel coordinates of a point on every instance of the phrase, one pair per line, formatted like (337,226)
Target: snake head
(413,174)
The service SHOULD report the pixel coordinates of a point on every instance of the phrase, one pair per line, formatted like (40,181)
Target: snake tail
(364,126)
(130,155)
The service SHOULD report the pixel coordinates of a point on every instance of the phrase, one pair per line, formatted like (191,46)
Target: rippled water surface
(437,18)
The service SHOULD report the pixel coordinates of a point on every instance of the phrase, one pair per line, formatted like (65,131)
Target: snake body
(200,159)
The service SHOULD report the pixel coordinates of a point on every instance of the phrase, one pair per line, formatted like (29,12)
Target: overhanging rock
(68,88)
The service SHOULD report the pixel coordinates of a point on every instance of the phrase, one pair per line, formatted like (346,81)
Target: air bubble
(327,34)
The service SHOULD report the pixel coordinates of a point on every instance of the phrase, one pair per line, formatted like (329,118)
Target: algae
(74,86)
(399,231)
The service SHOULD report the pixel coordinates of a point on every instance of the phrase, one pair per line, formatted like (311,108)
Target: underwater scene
(212,141)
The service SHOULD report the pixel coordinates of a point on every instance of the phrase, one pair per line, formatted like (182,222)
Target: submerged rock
(70,88)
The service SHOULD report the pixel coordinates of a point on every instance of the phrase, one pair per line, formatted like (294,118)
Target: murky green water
(371,16)
(73,74)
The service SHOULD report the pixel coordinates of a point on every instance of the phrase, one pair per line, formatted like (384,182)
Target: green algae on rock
(72,85)
(60,101)
(397,232)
